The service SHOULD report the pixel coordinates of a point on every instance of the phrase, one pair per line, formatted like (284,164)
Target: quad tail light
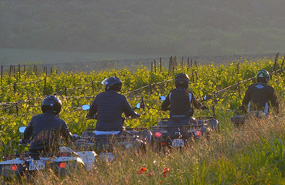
(157,134)
(62,165)
(198,133)
(14,167)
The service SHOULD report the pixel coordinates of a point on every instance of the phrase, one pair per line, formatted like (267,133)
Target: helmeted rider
(260,96)
(109,106)
(45,129)
(180,100)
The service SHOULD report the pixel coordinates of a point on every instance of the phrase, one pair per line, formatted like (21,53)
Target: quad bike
(104,142)
(62,163)
(240,119)
(176,133)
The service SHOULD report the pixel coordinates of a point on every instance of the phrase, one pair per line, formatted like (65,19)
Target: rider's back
(179,100)
(46,130)
(110,106)
(259,94)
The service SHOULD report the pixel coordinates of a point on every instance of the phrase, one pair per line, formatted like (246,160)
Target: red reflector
(198,133)
(62,165)
(163,143)
(63,154)
(14,167)
(157,134)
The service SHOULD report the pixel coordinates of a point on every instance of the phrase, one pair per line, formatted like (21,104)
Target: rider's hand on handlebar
(23,142)
(75,137)
(94,117)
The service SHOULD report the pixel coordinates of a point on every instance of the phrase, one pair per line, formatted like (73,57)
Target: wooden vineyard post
(238,80)
(19,69)
(275,63)
(45,85)
(65,91)
(182,62)
(14,70)
(170,65)
(188,64)
(175,62)
(151,66)
(196,75)
(15,87)
(160,64)
(93,89)
(154,66)
(17,109)
(10,70)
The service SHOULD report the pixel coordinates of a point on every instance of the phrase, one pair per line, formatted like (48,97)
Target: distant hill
(161,27)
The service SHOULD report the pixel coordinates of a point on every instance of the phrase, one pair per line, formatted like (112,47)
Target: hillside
(162,27)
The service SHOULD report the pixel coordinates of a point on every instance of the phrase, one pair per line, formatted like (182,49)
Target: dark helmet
(51,103)
(182,80)
(112,83)
(263,76)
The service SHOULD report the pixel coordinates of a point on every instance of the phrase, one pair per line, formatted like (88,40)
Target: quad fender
(238,119)
(88,157)
(18,168)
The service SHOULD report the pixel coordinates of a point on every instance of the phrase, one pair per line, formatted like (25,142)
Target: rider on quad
(181,101)
(45,129)
(258,95)
(109,106)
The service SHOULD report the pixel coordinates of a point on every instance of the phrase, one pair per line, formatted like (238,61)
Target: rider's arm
(127,109)
(165,103)
(197,104)
(246,99)
(28,132)
(274,103)
(66,134)
(92,110)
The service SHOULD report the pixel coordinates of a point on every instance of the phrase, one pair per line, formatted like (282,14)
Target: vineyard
(21,94)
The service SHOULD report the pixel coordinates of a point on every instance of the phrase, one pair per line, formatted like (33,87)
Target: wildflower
(165,171)
(141,170)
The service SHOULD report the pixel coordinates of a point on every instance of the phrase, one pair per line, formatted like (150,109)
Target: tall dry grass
(253,154)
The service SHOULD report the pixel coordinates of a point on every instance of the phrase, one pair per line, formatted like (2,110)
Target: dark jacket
(109,106)
(182,103)
(258,96)
(45,130)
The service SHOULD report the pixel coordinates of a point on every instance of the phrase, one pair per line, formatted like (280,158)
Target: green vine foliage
(77,89)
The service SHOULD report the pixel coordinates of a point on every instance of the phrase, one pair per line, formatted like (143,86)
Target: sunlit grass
(253,154)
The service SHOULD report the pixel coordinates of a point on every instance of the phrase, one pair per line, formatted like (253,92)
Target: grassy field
(251,155)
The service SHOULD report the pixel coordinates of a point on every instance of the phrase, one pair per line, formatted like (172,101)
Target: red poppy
(149,174)
(165,170)
(141,170)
